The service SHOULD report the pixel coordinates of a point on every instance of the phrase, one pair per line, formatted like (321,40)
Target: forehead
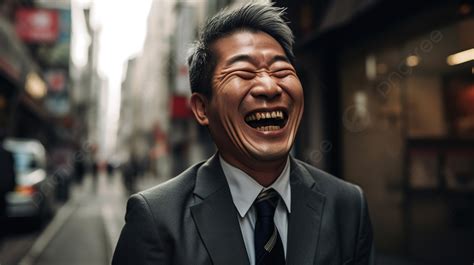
(259,45)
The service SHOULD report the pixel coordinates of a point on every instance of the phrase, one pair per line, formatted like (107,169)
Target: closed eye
(282,73)
(245,74)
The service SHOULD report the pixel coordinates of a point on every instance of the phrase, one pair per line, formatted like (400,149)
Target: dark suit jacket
(191,220)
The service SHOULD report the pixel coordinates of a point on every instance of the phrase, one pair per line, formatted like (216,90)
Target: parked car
(33,196)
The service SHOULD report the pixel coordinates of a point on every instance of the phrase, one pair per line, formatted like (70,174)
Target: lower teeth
(268,128)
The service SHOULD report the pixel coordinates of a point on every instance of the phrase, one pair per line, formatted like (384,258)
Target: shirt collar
(244,189)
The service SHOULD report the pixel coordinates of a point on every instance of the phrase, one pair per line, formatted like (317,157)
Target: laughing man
(251,203)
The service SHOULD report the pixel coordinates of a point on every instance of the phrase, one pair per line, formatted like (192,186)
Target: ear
(199,107)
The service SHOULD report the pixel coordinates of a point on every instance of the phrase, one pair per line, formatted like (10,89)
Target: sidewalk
(85,229)
(81,240)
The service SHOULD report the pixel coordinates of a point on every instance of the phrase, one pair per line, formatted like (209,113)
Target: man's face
(257,99)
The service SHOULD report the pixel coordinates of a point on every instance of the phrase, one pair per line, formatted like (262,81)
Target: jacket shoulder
(176,192)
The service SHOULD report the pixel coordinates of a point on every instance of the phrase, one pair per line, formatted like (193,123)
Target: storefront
(13,70)
(22,90)
(390,106)
(407,136)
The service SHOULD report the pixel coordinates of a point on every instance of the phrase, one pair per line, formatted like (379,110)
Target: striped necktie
(268,246)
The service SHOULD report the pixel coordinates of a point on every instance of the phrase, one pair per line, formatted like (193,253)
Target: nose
(266,87)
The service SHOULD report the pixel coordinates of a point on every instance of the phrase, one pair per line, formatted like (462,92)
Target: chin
(270,155)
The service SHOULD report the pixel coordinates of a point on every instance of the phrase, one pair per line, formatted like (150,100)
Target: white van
(34,192)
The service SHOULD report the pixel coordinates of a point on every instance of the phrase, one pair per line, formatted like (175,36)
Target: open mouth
(267,120)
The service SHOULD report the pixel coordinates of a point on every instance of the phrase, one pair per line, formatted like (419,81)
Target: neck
(264,172)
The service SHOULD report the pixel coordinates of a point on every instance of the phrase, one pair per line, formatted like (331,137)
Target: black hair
(253,17)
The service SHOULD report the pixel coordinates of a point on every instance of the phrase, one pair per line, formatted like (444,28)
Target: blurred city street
(95,106)
(84,231)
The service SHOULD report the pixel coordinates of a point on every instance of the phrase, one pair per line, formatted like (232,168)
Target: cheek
(225,111)
(294,89)
(233,94)
(226,90)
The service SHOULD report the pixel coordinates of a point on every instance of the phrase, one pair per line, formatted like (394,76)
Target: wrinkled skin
(252,74)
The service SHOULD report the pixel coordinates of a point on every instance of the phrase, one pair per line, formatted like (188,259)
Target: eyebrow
(278,58)
(252,60)
(241,58)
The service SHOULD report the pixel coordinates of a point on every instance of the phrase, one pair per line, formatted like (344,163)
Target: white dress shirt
(244,190)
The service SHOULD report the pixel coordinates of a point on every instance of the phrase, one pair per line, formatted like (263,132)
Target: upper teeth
(264,115)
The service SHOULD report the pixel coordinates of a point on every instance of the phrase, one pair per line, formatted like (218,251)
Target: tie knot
(266,203)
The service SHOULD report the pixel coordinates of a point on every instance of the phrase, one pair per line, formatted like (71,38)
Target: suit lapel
(216,218)
(307,205)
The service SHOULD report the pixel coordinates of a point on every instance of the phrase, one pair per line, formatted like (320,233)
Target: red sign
(180,108)
(37,25)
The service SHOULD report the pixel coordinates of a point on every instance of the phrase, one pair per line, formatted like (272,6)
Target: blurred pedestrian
(79,169)
(131,172)
(7,183)
(95,169)
(251,203)
(128,175)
